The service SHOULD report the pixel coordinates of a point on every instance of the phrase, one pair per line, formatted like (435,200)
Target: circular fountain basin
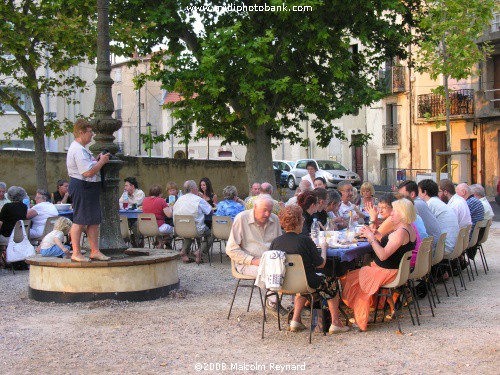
(124,278)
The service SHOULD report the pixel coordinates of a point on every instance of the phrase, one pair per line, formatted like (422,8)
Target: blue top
(419,224)
(229,208)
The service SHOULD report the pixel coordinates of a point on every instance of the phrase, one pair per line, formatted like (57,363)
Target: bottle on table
(315,231)
(125,200)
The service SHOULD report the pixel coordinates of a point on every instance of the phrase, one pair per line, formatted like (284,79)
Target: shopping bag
(17,251)
(321,318)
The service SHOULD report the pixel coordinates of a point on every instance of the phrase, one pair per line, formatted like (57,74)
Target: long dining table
(341,257)
(130,214)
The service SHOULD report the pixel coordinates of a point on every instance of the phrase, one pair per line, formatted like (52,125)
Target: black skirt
(86,201)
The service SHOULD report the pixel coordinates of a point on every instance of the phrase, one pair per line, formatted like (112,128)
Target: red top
(498,187)
(155,205)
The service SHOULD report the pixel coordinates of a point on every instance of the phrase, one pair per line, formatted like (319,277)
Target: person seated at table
(3,198)
(323,202)
(172,191)
(61,195)
(308,201)
(230,205)
(12,212)
(360,286)
(294,242)
(265,189)
(355,197)
(155,204)
(304,185)
(134,194)
(207,192)
(379,214)
(40,212)
(192,204)
(333,210)
(367,192)
(52,244)
(346,192)
(319,182)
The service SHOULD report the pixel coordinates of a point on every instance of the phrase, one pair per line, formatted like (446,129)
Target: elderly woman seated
(360,286)
(230,206)
(155,204)
(293,242)
(12,212)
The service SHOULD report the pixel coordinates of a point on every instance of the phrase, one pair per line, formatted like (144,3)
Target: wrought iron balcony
(390,135)
(392,80)
(433,105)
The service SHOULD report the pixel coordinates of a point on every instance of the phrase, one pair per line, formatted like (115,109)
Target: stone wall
(18,168)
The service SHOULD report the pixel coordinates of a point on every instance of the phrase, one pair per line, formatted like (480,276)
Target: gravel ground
(173,335)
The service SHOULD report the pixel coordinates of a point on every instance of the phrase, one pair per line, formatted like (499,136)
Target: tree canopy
(254,76)
(34,36)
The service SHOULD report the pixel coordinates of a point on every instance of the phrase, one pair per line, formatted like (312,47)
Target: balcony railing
(433,105)
(390,135)
(393,79)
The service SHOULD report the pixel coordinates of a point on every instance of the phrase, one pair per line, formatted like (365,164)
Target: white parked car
(333,172)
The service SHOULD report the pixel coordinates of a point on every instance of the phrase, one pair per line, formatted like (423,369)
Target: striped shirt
(476,210)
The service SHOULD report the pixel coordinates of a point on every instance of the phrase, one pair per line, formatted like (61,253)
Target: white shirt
(194,205)
(48,240)
(44,210)
(488,211)
(136,198)
(461,209)
(292,200)
(79,161)
(448,222)
(308,178)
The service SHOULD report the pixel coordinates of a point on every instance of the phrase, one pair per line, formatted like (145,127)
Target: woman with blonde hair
(359,286)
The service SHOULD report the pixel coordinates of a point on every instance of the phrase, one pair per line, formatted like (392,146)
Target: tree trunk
(259,157)
(40,151)
(448,126)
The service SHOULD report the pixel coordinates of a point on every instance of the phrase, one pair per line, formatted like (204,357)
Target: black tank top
(393,261)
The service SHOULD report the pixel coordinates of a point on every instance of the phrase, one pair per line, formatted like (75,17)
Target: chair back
(466,238)
(439,251)
(459,245)
(295,277)
(49,225)
(422,263)
(403,272)
(475,233)
(147,225)
(486,232)
(124,228)
(238,275)
(185,226)
(221,227)
(18,231)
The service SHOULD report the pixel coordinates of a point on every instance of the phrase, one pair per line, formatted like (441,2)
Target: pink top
(414,252)
(155,205)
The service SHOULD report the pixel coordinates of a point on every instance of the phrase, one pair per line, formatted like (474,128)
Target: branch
(17,107)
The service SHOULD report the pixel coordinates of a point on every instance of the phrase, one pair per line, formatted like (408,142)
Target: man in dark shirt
(12,212)
(62,195)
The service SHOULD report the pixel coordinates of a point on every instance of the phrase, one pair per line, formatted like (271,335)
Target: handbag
(17,251)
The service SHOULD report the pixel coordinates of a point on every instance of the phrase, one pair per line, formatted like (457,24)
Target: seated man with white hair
(192,204)
(304,185)
(265,188)
(3,198)
(475,206)
(480,194)
(40,212)
(252,233)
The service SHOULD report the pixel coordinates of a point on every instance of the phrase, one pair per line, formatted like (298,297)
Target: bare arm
(31,214)
(396,240)
(168,211)
(103,159)
(60,245)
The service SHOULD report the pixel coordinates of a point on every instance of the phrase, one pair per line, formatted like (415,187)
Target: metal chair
(295,282)
(422,268)
(125,232)
(480,248)
(240,277)
(454,255)
(473,242)
(185,227)
(147,226)
(400,282)
(221,229)
(437,257)
(49,227)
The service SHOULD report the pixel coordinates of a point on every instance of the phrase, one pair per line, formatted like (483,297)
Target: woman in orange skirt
(360,286)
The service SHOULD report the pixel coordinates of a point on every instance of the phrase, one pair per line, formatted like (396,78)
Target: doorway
(357,158)
(388,169)
(438,143)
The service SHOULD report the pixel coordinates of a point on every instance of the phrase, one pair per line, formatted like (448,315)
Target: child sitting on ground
(52,244)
